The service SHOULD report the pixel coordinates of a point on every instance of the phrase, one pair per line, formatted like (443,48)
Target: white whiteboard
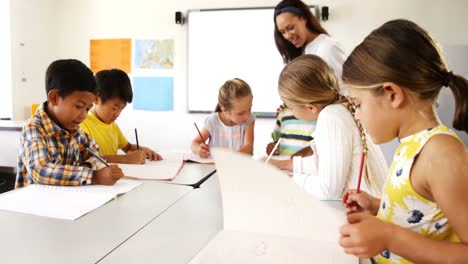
(226,44)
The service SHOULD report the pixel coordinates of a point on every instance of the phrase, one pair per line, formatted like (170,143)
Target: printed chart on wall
(154,54)
(153,83)
(151,72)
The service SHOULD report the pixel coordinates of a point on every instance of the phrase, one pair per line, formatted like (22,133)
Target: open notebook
(63,202)
(163,170)
(269,219)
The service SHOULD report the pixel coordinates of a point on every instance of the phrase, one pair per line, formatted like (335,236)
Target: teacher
(298,32)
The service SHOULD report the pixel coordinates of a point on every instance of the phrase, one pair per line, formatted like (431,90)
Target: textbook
(163,170)
(267,218)
(63,202)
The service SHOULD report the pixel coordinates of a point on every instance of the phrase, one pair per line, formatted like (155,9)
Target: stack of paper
(269,219)
(62,202)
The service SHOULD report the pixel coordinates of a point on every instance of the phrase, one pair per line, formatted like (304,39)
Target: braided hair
(308,79)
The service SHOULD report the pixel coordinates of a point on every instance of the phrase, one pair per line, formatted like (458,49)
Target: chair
(7,179)
(34,108)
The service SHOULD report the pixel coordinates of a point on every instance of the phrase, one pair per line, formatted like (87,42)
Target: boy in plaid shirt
(52,144)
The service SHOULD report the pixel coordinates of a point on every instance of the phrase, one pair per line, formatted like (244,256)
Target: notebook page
(53,201)
(196,158)
(165,169)
(120,187)
(269,219)
(257,197)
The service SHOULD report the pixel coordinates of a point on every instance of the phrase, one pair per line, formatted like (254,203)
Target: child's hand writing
(270,147)
(365,235)
(203,150)
(136,157)
(107,175)
(360,202)
(150,154)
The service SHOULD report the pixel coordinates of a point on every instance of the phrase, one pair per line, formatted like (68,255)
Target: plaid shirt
(51,155)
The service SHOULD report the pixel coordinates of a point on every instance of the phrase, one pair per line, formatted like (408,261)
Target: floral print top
(402,205)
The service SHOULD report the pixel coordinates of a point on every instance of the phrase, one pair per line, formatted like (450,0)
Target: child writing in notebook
(232,124)
(52,145)
(394,77)
(310,89)
(114,91)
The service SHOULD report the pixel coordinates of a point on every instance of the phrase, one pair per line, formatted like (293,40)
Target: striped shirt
(296,134)
(222,136)
(51,155)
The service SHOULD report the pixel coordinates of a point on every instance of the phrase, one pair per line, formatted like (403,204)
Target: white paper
(120,187)
(63,202)
(52,201)
(262,203)
(196,158)
(165,169)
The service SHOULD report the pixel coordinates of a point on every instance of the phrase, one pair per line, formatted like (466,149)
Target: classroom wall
(52,29)
(5,65)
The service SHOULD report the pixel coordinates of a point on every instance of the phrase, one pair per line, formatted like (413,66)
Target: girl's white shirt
(334,166)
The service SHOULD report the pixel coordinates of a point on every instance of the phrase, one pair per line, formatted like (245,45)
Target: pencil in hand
(360,172)
(97,156)
(273,151)
(136,138)
(199,133)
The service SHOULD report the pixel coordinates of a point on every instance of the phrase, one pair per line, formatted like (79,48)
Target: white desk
(33,239)
(179,233)
(154,223)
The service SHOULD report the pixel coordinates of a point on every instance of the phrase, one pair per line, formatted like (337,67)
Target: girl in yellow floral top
(394,78)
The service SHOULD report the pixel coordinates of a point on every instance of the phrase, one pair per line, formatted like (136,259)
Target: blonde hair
(231,90)
(403,53)
(308,79)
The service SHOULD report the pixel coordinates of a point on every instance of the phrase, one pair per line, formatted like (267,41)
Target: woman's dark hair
(287,50)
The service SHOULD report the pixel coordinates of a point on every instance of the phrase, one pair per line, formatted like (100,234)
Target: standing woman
(298,32)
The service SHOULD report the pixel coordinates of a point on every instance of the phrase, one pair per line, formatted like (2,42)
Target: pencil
(360,172)
(199,133)
(273,151)
(97,156)
(136,138)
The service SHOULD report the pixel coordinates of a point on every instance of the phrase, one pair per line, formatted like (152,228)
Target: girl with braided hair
(309,87)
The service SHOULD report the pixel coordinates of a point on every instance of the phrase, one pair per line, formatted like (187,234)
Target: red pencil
(360,172)
(199,133)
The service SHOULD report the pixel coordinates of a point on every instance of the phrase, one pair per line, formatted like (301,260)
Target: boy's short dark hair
(67,76)
(114,83)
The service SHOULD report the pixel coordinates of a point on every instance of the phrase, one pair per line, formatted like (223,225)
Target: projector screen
(232,43)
